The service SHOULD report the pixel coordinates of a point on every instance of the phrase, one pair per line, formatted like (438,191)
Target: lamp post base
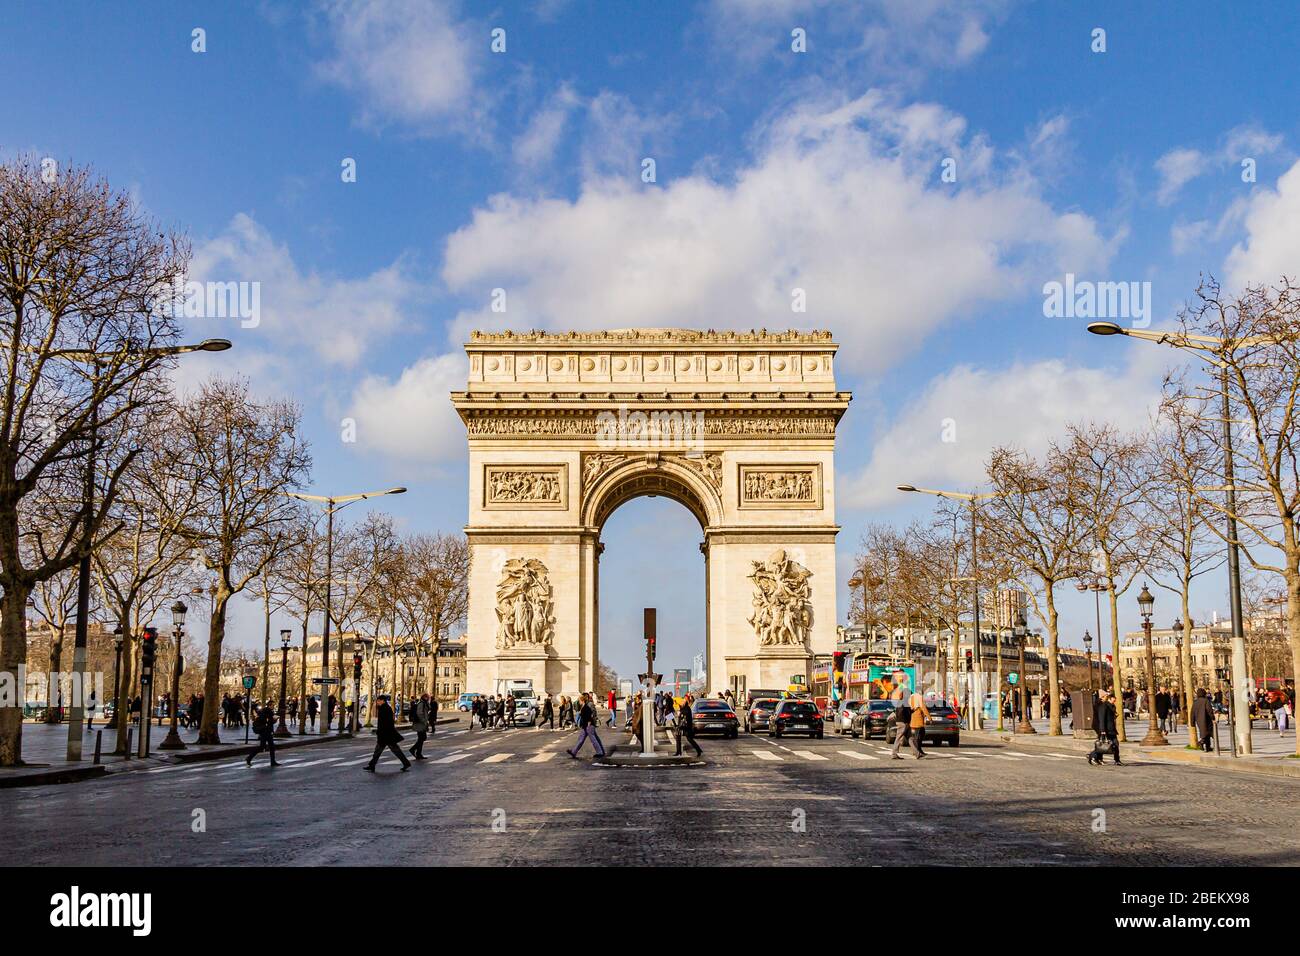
(1154,738)
(1025,727)
(283,731)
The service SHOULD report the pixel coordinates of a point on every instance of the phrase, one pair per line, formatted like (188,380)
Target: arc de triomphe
(563,428)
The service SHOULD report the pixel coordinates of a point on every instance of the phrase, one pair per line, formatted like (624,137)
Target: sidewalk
(45,750)
(1272,751)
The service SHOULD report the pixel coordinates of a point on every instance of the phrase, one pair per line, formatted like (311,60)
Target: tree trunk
(1114,650)
(302,696)
(13,661)
(1293,625)
(212,677)
(266,649)
(56,664)
(1186,677)
(1053,665)
(122,710)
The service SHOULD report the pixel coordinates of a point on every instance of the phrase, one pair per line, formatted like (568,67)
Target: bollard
(99,740)
(128,743)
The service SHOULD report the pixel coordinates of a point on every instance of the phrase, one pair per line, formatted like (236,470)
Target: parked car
(842,716)
(715,717)
(760,712)
(870,721)
(943,724)
(796,717)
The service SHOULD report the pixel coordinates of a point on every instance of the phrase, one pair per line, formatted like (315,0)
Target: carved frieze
(707,465)
(525,486)
(586,426)
(782,601)
(525,605)
(781,486)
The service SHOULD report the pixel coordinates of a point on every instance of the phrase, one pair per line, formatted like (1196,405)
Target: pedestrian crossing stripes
(856,755)
(809,755)
(765,755)
(542,757)
(497,758)
(452,758)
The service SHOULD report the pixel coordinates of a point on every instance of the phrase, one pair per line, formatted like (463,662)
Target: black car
(872,719)
(796,717)
(943,724)
(715,717)
(760,712)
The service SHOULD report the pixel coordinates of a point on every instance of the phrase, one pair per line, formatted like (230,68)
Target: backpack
(903,715)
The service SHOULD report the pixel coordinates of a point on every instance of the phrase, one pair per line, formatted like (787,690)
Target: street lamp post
(173,741)
(1021,631)
(285,636)
(1209,344)
(117,672)
(97,360)
(974,711)
(332,503)
(1184,689)
(1154,737)
(1087,650)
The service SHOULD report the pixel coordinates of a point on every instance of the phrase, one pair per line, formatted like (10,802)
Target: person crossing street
(420,724)
(387,736)
(686,726)
(264,727)
(587,727)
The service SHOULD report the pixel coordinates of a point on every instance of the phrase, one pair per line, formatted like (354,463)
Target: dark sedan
(715,717)
(796,717)
(943,724)
(871,720)
(760,712)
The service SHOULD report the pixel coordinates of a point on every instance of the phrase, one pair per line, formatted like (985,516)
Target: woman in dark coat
(387,736)
(1202,719)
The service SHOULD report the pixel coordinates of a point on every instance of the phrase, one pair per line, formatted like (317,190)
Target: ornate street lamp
(285,635)
(1184,692)
(173,741)
(1087,650)
(117,670)
(1154,737)
(1021,632)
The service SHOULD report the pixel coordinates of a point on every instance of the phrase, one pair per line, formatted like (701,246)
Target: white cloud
(537,144)
(337,320)
(411,61)
(844,202)
(411,418)
(1177,168)
(1026,404)
(1271,248)
(1184,236)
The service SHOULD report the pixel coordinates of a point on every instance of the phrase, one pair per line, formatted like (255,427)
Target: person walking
(613,707)
(387,736)
(499,717)
(420,724)
(587,726)
(686,726)
(1202,720)
(313,708)
(1164,707)
(264,727)
(548,713)
(916,722)
(1104,723)
(627,720)
(511,705)
(635,721)
(902,726)
(433,713)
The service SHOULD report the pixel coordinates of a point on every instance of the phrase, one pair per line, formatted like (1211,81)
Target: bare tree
(240,455)
(299,575)
(84,285)
(1105,482)
(1032,521)
(1183,463)
(1253,340)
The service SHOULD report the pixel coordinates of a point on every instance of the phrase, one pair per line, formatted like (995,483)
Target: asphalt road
(515,798)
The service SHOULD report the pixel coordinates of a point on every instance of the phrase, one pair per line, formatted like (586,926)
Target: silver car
(842,719)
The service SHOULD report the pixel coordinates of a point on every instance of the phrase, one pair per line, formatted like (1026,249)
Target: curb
(1253,765)
(42,778)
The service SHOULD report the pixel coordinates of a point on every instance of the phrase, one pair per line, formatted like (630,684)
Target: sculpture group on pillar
(524,607)
(783,613)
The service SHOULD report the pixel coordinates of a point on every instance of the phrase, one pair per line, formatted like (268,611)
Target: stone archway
(564,428)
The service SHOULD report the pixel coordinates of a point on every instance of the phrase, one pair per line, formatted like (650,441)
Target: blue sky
(774,169)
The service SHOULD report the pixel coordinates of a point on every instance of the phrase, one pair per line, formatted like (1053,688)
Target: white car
(843,716)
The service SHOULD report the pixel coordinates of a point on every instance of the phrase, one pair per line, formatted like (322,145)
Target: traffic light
(356,667)
(650,647)
(650,629)
(148,651)
(970,660)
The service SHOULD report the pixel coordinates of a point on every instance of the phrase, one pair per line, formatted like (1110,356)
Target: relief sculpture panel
(789,486)
(525,486)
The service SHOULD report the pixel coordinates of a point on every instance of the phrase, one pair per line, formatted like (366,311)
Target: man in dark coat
(1164,706)
(686,725)
(387,736)
(1103,722)
(1202,719)
(264,727)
